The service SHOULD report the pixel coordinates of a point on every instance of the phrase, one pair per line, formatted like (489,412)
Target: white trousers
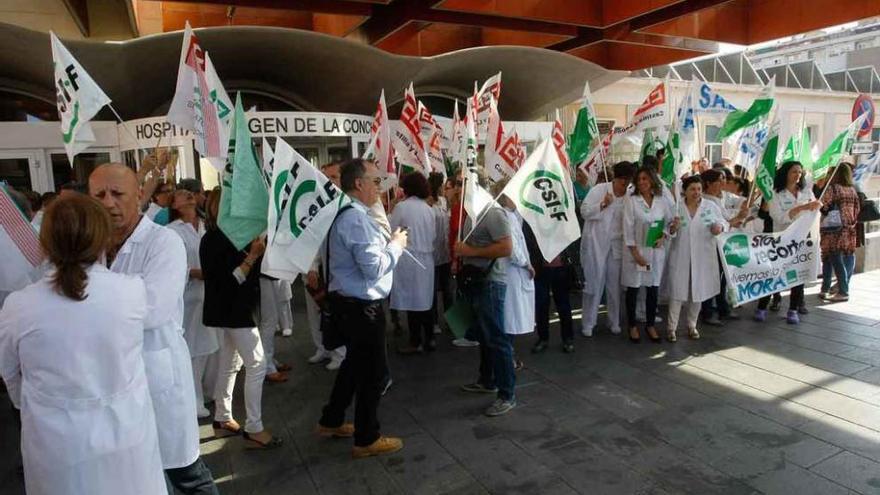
(243,342)
(204,376)
(590,302)
(313,314)
(269,320)
(692,312)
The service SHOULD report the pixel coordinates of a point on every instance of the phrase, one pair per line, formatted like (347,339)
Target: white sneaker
(203,412)
(334,364)
(463,342)
(287,332)
(587,332)
(319,356)
(437,330)
(658,319)
(615,331)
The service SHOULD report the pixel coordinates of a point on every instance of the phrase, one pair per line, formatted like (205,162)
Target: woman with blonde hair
(71,354)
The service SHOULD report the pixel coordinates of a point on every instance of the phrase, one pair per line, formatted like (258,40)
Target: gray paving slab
(852,471)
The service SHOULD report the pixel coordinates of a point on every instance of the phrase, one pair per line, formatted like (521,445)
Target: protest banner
(758,265)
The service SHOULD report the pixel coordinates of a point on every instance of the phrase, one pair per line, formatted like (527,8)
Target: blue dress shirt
(361,259)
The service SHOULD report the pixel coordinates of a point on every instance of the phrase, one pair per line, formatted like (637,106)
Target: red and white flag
(653,113)
(380,149)
(500,153)
(596,160)
(432,135)
(19,230)
(558,137)
(200,102)
(406,137)
(491,90)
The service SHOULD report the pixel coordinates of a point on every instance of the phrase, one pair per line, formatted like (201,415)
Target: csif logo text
(544,193)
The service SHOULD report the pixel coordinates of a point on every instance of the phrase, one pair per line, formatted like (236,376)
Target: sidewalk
(750,408)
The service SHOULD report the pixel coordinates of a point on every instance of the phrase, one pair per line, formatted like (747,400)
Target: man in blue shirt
(361,264)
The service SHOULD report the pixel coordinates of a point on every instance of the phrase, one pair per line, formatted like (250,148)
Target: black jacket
(228,304)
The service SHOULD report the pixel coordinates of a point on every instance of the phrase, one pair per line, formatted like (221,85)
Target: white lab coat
(200,340)
(413,285)
(693,273)
(782,202)
(76,371)
(519,303)
(158,256)
(637,217)
(602,233)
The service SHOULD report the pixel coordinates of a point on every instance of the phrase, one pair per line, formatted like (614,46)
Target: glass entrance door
(19,170)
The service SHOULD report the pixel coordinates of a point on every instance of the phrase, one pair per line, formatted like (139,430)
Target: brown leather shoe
(277,377)
(345,430)
(383,445)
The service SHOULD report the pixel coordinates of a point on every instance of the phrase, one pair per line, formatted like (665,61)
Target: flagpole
(828,182)
(124,125)
(481,216)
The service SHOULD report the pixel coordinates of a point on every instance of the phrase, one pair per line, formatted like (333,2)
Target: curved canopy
(312,71)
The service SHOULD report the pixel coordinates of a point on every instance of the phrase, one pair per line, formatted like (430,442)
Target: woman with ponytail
(71,354)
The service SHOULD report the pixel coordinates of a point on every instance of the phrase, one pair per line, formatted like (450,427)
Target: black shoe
(568,347)
(775,304)
(539,347)
(803,310)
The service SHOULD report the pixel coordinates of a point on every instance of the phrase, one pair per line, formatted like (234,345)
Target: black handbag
(329,303)
(868,211)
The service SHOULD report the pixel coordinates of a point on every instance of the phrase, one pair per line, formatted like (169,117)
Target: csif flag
(302,205)
(78,97)
(544,197)
(268,161)
(380,149)
(200,102)
(680,140)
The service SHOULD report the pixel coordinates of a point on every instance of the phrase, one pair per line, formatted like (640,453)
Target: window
(83,164)
(712,149)
(16,172)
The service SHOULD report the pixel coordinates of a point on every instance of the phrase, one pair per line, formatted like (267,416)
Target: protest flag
(489,91)
(767,168)
(841,145)
(652,113)
(866,169)
(406,137)
(585,134)
(380,149)
(758,110)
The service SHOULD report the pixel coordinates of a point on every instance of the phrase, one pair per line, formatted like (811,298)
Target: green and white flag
(79,98)
(243,198)
(840,146)
(759,109)
(767,168)
(585,134)
(302,206)
(680,139)
(542,193)
(649,145)
(798,149)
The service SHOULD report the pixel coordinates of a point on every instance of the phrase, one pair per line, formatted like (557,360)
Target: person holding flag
(791,198)
(601,247)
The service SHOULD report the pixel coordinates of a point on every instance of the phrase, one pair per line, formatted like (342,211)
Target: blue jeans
(496,347)
(842,265)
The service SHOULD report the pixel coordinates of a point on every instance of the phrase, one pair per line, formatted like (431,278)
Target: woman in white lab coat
(693,270)
(413,287)
(71,354)
(201,340)
(791,198)
(602,247)
(644,211)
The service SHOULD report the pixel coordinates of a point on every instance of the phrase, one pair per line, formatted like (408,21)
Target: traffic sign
(864,104)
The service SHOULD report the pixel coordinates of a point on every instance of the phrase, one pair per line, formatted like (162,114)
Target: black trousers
(795,301)
(194,479)
(557,280)
(443,285)
(719,301)
(361,375)
(632,294)
(421,326)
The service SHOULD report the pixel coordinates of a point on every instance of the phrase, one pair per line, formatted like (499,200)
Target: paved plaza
(750,408)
